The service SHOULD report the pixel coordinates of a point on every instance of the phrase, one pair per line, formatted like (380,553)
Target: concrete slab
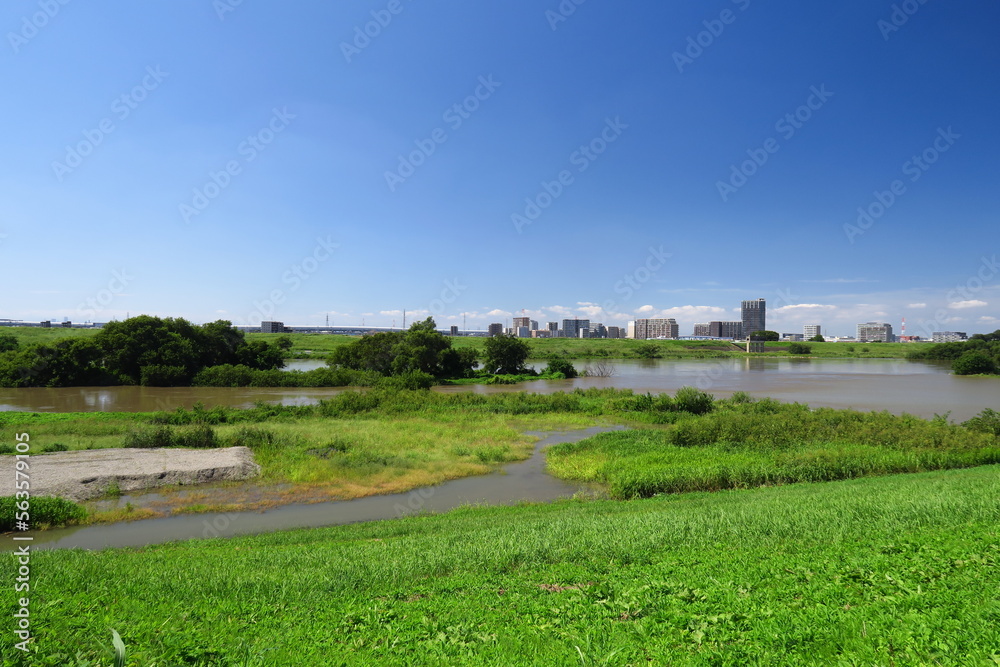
(81,475)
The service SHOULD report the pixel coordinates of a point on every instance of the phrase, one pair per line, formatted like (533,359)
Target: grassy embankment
(306,346)
(319,346)
(899,570)
(359,444)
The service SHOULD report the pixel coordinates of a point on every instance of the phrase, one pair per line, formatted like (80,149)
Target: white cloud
(916,305)
(805,308)
(645,309)
(989,319)
(496,312)
(971,303)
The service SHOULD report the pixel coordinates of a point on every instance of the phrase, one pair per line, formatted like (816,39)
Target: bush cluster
(43,510)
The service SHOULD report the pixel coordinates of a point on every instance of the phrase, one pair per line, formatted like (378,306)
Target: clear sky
(610,160)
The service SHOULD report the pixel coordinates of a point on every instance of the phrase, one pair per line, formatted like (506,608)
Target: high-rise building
(725,329)
(702,329)
(597,330)
(616,332)
(522,322)
(630,329)
(811,331)
(272,327)
(872,331)
(495,329)
(522,332)
(454,330)
(553,327)
(571,328)
(656,328)
(754,316)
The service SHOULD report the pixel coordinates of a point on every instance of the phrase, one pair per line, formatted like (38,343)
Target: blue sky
(246,161)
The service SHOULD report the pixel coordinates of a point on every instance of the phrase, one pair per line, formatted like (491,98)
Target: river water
(920,388)
(515,482)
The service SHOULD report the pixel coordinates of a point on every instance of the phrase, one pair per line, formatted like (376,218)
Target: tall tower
(754,315)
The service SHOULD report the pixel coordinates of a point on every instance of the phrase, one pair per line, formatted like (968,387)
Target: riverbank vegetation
(320,346)
(142,350)
(742,443)
(980,355)
(384,441)
(890,570)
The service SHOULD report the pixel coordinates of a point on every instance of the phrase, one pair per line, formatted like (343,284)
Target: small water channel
(515,482)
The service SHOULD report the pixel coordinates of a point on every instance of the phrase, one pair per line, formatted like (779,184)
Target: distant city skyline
(173,160)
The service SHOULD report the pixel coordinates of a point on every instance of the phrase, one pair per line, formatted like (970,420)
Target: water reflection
(870,384)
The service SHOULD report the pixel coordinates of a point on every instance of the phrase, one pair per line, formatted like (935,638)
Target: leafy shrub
(6,448)
(973,363)
(695,401)
(200,436)
(159,375)
(149,438)
(54,447)
(987,421)
(410,380)
(254,437)
(43,510)
(798,348)
(561,366)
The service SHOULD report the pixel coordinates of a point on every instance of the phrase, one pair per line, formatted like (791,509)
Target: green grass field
(899,570)
(319,346)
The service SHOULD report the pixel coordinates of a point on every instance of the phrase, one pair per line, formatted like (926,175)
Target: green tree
(818,338)
(973,363)
(8,342)
(561,366)
(798,348)
(765,335)
(505,355)
(420,349)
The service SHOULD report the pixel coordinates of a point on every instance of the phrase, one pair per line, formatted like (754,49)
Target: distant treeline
(172,352)
(143,350)
(979,355)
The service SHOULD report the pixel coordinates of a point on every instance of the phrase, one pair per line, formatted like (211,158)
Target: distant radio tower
(328,319)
